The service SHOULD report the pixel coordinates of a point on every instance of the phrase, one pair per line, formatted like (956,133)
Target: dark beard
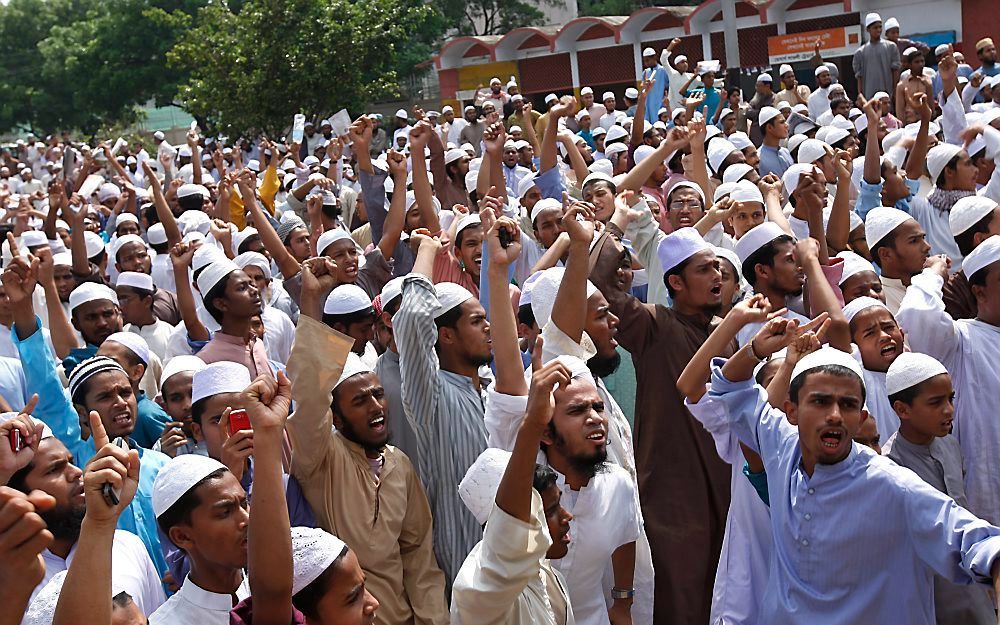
(713,311)
(65,522)
(603,367)
(586,466)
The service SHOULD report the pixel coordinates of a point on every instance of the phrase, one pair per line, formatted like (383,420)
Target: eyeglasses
(693,205)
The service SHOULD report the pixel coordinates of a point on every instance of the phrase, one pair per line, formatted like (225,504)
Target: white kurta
(193,605)
(157,336)
(970,350)
(162,272)
(506,578)
(746,547)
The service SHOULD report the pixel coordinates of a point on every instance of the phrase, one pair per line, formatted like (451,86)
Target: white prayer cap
(311,160)
(158,135)
(910,369)
(581,114)
(478,489)
(615,132)
(179,475)
(911,50)
(861,124)
(192,220)
(242,236)
(62,259)
(968,211)
(615,148)
(853,265)
(253,165)
(453,155)
(586,91)
(346,299)
(938,157)
(205,255)
(882,220)
(401,114)
(819,70)
(746,191)
(827,355)
(601,166)
(784,69)
(126,218)
(608,95)
(859,304)
(134,342)
(942,49)
(872,18)
(982,257)
(181,364)
(313,551)
(108,191)
(470,220)
(95,244)
(790,179)
(767,114)
(330,237)
(687,184)
(62,225)
(785,107)
(642,153)
(219,377)
(392,289)
(186,190)
(472,179)
(135,280)
(723,190)
(122,241)
(447,109)
(835,134)
(648,52)
(756,238)
(765,77)
(521,144)
(632,93)
(543,205)
(678,246)
(812,150)
(543,293)
(718,150)
(33,238)
(90,292)
(352,367)
(214,273)
(740,140)
(735,173)
(254,259)
(449,296)
(891,23)
(551,98)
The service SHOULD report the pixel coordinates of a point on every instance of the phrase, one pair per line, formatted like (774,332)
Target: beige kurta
(386,520)
(506,579)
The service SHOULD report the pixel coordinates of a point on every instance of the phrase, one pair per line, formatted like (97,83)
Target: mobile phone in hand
(505,237)
(113,495)
(16,442)
(238,420)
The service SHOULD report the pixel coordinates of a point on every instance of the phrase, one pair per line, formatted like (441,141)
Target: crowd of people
(679,360)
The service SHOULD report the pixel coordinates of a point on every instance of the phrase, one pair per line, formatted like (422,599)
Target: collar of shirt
(201,598)
(234,340)
(464,382)
(826,472)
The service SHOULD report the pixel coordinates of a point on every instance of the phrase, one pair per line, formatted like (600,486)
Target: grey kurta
(940,465)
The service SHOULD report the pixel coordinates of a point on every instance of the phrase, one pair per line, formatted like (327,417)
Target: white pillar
(637,59)
(732,38)
(574,69)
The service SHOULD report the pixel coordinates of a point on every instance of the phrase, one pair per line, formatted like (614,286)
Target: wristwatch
(620,593)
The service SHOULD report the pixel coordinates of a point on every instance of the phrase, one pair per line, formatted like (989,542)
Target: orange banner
(801,46)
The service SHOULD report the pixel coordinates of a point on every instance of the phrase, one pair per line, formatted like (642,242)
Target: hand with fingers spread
(110,465)
(236,448)
(778,333)
(27,432)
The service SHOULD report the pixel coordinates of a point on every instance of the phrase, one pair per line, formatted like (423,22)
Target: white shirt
(193,605)
(157,335)
(743,569)
(9,350)
(279,333)
(162,272)
(970,350)
(131,570)
(819,102)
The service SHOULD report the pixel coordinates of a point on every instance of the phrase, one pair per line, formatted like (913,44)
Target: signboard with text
(835,42)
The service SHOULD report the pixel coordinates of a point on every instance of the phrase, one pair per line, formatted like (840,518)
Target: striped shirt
(447,414)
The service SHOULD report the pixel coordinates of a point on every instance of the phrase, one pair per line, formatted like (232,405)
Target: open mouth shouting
(832,439)
(377,424)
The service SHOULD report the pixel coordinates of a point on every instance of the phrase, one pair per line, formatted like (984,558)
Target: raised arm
(63,336)
(163,212)
(566,106)
(638,120)
(838,229)
(699,162)
(419,138)
(268,236)
(873,150)
(569,313)
(637,176)
(503,326)
(269,549)
(821,296)
(575,157)
(529,126)
(78,244)
(918,155)
(770,187)
(396,217)
(180,256)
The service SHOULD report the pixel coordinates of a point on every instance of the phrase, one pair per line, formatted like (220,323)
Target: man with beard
(674,453)
(443,338)
(130,254)
(513,173)
(94,312)
(47,466)
(819,99)
(352,476)
(564,298)
(769,265)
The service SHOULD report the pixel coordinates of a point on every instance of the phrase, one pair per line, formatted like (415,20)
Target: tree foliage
(253,70)
(491,17)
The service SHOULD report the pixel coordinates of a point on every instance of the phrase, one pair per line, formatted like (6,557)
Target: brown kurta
(386,520)
(683,484)
(959,302)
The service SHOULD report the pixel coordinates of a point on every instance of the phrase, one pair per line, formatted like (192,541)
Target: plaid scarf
(943,200)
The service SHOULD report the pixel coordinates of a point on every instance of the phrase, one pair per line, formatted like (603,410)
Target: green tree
(253,70)
(491,17)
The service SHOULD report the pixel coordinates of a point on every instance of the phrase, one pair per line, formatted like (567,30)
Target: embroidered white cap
(938,157)
(478,489)
(181,364)
(853,265)
(214,273)
(756,238)
(90,292)
(313,551)
(859,304)
(968,211)
(784,69)
(178,476)
(136,280)
(134,342)
(330,237)
(982,257)
(910,369)
(882,220)
(767,114)
(346,299)
(449,296)
(718,150)
(219,377)
(735,173)
(352,367)
(678,246)
(811,150)
(824,356)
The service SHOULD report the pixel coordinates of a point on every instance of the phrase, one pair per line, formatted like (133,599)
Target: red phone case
(16,442)
(238,420)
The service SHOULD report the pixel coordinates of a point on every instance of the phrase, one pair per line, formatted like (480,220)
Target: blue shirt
(857,542)
(149,422)
(654,100)
(56,409)
(76,356)
(550,183)
(773,160)
(711,103)
(870,197)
